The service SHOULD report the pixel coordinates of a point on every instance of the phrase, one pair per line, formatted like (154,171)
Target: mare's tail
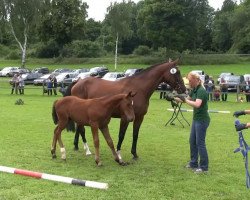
(71,126)
(54,115)
(68,90)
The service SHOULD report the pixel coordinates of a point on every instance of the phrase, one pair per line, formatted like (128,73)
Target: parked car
(99,71)
(43,70)
(7,71)
(113,76)
(18,71)
(30,77)
(63,76)
(246,77)
(223,75)
(233,80)
(41,80)
(83,76)
(130,72)
(82,70)
(69,80)
(59,71)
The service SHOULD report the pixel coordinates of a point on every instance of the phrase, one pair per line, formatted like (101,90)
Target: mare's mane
(149,69)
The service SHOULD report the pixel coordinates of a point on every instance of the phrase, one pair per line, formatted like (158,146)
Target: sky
(98,8)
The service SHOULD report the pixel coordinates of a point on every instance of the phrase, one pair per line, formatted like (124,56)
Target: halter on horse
(95,113)
(143,83)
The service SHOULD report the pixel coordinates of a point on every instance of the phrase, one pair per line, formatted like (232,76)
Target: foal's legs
(122,131)
(57,137)
(105,132)
(63,150)
(94,129)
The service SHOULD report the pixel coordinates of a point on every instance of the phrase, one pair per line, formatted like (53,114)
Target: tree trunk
(116,47)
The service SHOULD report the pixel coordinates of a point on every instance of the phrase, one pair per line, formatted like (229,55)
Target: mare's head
(172,76)
(126,107)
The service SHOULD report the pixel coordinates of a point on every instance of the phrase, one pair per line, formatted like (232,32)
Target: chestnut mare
(144,84)
(95,113)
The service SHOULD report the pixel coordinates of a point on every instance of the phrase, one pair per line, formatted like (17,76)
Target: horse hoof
(53,156)
(99,164)
(76,148)
(135,157)
(88,153)
(124,163)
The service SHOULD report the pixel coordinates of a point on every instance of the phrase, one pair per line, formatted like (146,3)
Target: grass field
(26,135)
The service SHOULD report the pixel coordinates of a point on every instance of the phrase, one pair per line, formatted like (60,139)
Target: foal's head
(126,107)
(172,76)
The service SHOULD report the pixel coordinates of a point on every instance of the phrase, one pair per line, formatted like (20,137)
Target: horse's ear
(131,94)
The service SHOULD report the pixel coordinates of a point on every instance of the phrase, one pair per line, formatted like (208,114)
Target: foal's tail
(54,115)
(71,126)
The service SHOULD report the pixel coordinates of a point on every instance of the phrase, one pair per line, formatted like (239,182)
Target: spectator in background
(54,82)
(20,84)
(163,90)
(223,89)
(216,94)
(14,83)
(247,90)
(49,86)
(209,85)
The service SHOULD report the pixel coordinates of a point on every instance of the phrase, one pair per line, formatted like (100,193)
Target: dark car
(130,72)
(30,77)
(43,70)
(99,71)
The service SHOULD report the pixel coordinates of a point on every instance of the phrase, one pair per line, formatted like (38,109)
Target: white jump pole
(210,111)
(51,177)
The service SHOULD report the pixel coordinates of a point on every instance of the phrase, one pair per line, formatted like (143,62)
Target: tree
(21,18)
(176,25)
(241,28)
(221,27)
(119,19)
(63,21)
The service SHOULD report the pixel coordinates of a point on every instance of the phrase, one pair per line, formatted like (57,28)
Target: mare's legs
(80,130)
(136,128)
(94,129)
(105,132)
(76,140)
(122,131)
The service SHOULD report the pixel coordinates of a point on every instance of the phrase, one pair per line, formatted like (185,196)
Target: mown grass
(26,136)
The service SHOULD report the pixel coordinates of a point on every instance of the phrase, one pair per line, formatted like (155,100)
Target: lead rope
(244,150)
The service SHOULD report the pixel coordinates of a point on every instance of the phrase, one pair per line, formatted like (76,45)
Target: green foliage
(4,50)
(26,136)
(63,21)
(142,50)
(13,55)
(82,49)
(48,50)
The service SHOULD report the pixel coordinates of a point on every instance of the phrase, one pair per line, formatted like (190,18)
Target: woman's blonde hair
(194,75)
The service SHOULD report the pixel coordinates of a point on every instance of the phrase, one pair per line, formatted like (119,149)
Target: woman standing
(198,99)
